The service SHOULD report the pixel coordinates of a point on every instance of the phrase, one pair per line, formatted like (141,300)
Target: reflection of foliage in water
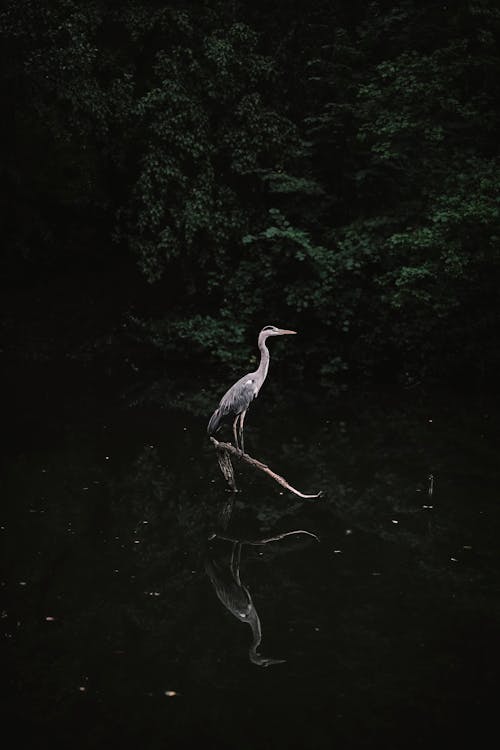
(371,460)
(132,605)
(375,470)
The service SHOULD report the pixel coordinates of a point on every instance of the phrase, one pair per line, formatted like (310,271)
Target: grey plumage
(238,398)
(235,401)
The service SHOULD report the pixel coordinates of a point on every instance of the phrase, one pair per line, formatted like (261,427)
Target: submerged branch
(228,448)
(257,542)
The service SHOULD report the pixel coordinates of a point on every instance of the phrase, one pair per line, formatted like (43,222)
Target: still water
(145,605)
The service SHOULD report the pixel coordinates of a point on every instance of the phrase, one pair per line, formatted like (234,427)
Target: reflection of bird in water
(238,398)
(235,596)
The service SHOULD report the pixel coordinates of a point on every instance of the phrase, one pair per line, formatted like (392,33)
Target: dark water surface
(133,592)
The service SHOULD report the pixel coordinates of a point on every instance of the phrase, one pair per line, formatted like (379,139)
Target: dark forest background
(332,167)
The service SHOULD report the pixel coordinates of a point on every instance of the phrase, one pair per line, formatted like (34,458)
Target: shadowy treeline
(331,166)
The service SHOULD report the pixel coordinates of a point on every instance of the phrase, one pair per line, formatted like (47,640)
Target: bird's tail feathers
(214,423)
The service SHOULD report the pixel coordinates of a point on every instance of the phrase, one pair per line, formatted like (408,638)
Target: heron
(237,399)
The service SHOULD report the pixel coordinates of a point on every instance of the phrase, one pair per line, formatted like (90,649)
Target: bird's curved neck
(264,358)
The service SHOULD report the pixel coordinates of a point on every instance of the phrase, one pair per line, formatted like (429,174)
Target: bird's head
(273,331)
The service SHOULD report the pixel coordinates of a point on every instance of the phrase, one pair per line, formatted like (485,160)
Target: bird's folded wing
(238,397)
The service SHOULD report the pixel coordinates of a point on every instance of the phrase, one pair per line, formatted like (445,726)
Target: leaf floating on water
(394,521)
(49,618)
(171,693)
(454,559)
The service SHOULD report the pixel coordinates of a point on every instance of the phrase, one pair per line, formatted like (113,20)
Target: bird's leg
(242,419)
(232,563)
(235,562)
(235,433)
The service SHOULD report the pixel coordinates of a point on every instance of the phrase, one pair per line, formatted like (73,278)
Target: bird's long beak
(282,331)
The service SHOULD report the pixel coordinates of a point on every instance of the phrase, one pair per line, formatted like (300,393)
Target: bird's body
(237,399)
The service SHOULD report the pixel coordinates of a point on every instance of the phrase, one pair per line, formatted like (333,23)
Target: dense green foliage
(328,166)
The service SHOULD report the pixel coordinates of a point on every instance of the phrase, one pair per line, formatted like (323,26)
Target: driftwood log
(223,451)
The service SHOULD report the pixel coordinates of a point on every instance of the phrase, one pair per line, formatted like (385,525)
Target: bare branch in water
(224,448)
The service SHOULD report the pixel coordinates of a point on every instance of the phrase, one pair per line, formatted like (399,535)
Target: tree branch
(253,462)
